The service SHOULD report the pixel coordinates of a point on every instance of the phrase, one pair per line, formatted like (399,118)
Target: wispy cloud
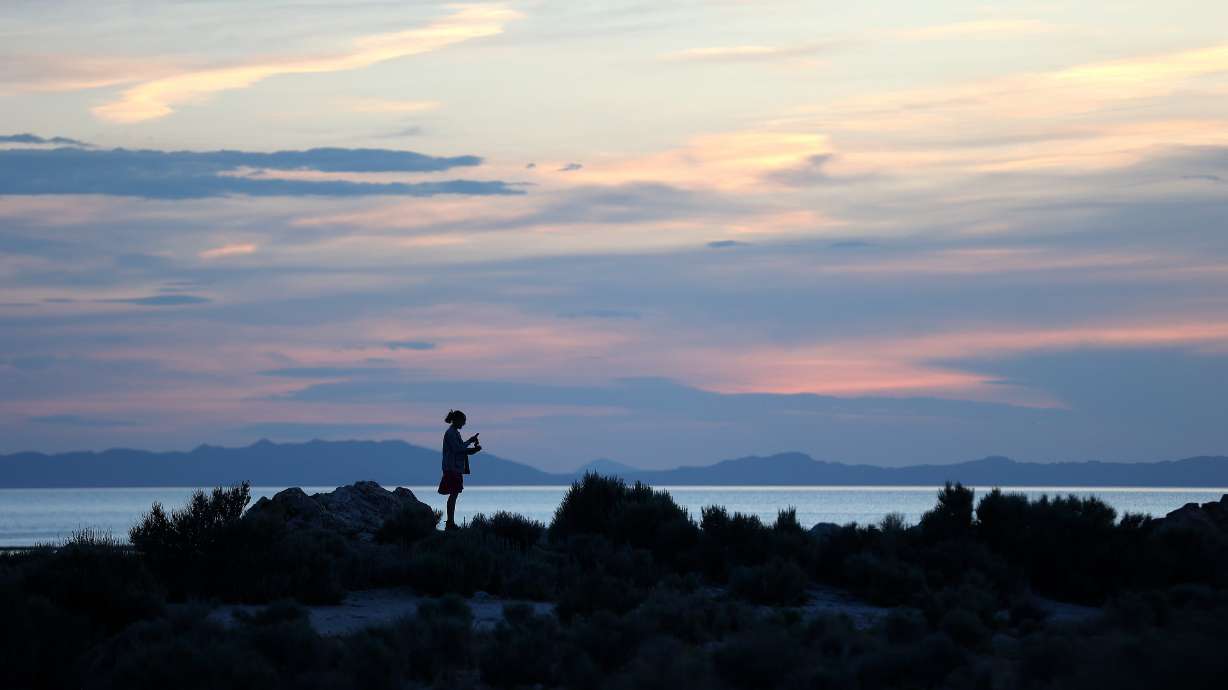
(977,28)
(159,300)
(72,420)
(200,174)
(227,250)
(409,345)
(382,105)
(35,139)
(160,97)
(752,52)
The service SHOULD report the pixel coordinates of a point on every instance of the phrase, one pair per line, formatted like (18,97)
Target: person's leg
(451,510)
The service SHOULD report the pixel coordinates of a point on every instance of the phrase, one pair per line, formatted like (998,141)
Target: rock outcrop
(824,530)
(1208,518)
(356,511)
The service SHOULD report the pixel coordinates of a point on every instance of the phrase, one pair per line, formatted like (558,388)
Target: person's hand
(477,448)
(472,439)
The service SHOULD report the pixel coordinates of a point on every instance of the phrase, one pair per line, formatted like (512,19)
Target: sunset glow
(600,229)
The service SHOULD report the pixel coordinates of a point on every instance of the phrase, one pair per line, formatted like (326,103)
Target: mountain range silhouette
(333,463)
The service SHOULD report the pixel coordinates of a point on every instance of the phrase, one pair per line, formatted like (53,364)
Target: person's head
(456,418)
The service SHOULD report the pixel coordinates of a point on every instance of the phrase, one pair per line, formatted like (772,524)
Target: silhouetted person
(455,462)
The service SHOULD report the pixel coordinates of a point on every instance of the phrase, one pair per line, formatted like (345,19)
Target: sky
(661,233)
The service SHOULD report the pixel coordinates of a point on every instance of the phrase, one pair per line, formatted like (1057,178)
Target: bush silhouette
(515,529)
(635,515)
(952,516)
(181,545)
(775,582)
(1069,547)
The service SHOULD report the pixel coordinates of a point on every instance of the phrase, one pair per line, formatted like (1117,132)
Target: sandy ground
(366,608)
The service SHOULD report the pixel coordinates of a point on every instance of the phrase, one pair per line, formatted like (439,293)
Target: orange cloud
(158,98)
(903,364)
(226,250)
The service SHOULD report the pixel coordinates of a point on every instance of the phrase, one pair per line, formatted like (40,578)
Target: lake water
(33,516)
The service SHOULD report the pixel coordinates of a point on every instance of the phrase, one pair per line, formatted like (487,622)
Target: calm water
(30,516)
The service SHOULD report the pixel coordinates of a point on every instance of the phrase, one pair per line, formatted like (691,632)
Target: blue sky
(660,233)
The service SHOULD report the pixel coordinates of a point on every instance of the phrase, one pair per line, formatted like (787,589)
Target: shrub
(775,582)
(89,576)
(952,516)
(515,529)
(786,522)
(458,562)
(732,540)
(1069,547)
(523,650)
(177,546)
(893,523)
(662,663)
(964,627)
(196,528)
(883,580)
(597,591)
(206,549)
(690,616)
(467,561)
(759,657)
(635,515)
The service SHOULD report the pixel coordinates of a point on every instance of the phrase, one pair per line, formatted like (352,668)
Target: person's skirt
(452,483)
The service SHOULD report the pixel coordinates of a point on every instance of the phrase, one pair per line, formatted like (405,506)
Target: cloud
(621,203)
(311,430)
(977,28)
(601,314)
(1092,116)
(383,105)
(332,372)
(410,131)
(570,167)
(62,71)
(159,97)
(34,139)
(812,171)
(239,249)
(752,52)
(409,345)
(72,420)
(159,300)
(727,244)
(199,174)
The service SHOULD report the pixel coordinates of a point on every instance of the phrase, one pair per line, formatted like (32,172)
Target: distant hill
(332,463)
(317,463)
(607,467)
(796,469)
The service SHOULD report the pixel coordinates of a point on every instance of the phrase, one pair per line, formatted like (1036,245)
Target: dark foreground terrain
(624,590)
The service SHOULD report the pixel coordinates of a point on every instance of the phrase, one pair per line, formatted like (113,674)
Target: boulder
(1208,518)
(356,511)
(823,530)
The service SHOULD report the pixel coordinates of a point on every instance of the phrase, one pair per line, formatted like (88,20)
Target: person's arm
(452,440)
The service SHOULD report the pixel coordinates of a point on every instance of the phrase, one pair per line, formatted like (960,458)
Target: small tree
(952,516)
(172,543)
